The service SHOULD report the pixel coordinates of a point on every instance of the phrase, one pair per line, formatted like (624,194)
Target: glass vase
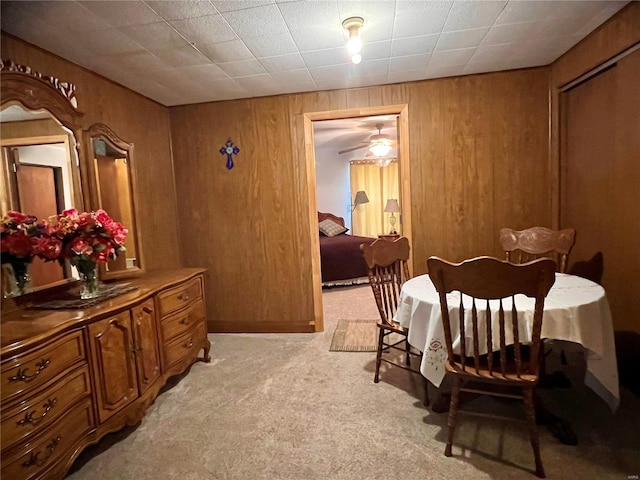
(18,281)
(89,283)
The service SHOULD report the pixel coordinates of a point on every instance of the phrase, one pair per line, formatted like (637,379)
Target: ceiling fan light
(380,149)
(356,58)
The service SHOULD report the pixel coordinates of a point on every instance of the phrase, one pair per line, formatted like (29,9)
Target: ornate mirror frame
(35,92)
(97,131)
(19,85)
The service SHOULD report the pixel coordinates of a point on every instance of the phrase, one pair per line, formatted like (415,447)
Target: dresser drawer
(41,410)
(177,298)
(43,452)
(186,345)
(27,372)
(179,323)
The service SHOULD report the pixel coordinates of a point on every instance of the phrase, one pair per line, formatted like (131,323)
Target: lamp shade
(361,197)
(392,206)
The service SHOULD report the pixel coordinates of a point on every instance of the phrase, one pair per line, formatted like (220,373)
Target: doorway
(306,150)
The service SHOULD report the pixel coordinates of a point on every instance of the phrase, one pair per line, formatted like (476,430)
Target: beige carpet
(355,336)
(283,407)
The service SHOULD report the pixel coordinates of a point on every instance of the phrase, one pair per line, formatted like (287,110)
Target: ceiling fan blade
(353,148)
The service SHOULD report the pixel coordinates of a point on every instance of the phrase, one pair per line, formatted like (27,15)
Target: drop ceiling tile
(451,57)
(445,71)
(205,30)
(139,61)
(271,45)
(64,14)
(158,36)
(489,53)
(323,58)
(252,21)
(509,33)
(324,74)
(126,13)
(486,67)
(414,18)
(282,63)
(181,9)
(317,15)
(376,50)
(295,79)
(377,68)
(319,38)
(518,12)
(225,87)
(242,69)
(203,73)
(181,57)
(468,15)
(410,62)
(554,46)
(401,47)
(406,76)
(461,39)
(262,83)
(223,52)
(557,27)
(112,42)
(229,5)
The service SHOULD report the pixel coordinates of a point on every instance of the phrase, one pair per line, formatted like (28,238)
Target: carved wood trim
(67,90)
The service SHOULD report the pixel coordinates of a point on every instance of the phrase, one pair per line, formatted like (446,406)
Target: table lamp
(361,197)
(392,207)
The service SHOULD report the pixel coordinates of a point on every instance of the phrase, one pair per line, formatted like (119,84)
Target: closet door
(600,180)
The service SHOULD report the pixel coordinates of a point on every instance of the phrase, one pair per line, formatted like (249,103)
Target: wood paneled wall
(479,162)
(138,120)
(609,209)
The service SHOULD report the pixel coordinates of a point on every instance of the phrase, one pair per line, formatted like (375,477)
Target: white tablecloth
(575,310)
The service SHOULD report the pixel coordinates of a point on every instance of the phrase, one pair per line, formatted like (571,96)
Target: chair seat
(483,374)
(393,326)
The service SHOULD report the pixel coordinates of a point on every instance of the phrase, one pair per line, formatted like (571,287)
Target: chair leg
(533,431)
(376,379)
(408,350)
(426,391)
(453,412)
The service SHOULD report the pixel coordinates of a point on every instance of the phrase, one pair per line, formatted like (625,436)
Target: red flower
(49,248)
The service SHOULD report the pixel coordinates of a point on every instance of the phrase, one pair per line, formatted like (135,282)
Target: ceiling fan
(379,144)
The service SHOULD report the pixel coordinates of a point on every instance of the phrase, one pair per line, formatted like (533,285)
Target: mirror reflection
(112,173)
(39,175)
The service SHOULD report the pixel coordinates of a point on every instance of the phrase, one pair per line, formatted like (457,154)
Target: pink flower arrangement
(87,237)
(23,237)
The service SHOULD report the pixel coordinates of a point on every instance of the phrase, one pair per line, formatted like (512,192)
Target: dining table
(575,310)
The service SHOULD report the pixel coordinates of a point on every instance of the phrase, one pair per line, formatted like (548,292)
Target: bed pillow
(331,228)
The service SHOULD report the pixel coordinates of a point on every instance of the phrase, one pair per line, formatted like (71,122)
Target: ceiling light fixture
(354,45)
(381,147)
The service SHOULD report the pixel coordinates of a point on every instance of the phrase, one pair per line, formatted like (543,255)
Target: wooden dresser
(69,377)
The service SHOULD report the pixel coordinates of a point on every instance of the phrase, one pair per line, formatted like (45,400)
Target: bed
(340,256)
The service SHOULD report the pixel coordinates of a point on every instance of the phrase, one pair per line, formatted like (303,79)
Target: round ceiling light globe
(357,58)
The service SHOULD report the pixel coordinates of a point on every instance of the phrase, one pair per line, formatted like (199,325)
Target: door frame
(306,150)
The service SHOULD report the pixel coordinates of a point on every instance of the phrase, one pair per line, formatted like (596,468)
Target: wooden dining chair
(521,246)
(492,347)
(388,270)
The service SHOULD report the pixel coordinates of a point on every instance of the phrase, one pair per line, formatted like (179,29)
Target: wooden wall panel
(138,120)
(600,191)
(250,226)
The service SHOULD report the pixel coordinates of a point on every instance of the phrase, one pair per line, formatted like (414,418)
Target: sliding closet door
(600,180)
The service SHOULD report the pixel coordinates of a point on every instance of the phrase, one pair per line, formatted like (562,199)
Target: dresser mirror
(110,165)
(40,171)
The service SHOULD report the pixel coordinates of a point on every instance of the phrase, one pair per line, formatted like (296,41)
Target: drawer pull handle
(184,296)
(188,344)
(147,310)
(185,320)
(38,462)
(22,376)
(29,416)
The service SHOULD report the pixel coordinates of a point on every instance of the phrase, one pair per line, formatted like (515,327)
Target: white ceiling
(182,52)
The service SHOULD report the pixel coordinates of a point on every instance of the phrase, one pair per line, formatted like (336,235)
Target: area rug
(355,336)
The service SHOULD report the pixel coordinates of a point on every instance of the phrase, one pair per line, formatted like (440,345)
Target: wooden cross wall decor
(229,149)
